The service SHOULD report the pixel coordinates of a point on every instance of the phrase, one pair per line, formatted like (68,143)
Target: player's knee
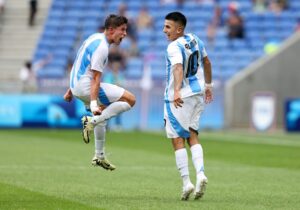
(132,100)
(178,143)
(129,98)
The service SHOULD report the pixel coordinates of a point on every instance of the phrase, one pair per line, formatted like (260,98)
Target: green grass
(50,169)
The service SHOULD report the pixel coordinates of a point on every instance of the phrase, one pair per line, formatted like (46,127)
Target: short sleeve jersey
(92,55)
(189,51)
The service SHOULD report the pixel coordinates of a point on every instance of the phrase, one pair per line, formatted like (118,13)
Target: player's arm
(68,95)
(178,77)
(95,85)
(98,60)
(176,59)
(208,80)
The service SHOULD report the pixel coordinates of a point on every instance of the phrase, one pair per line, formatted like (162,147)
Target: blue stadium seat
(134,73)
(51,72)
(58,4)
(74,14)
(135,5)
(146,34)
(95,4)
(79,5)
(135,63)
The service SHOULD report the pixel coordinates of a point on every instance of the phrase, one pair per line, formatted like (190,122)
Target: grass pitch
(51,169)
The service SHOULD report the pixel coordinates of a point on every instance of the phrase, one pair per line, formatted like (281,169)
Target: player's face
(119,33)
(172,29)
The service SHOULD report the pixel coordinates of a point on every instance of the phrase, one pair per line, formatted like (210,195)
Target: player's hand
(208,95)
(95,109)
(68,96)
(97,112)
(177,99)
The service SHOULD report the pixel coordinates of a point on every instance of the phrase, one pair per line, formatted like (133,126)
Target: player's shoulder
(98,37)
(97,44)
(194,36)
(186,39)
(94,36)
(172,46)
(175,45)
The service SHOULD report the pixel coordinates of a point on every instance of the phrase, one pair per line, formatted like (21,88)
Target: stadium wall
(278,73)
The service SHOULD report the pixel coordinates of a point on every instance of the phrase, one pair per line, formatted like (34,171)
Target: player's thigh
(177,120)
(198,108)
(109,93)
(82,90)
(128,97)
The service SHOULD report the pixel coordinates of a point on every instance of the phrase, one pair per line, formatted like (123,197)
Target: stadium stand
(67,26)
(17,41)
(68,23)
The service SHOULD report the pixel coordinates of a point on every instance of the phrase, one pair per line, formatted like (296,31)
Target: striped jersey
(189,51)
(93,54)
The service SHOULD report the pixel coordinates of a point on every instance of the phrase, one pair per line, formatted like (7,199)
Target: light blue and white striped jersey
(189,51)
(93,54)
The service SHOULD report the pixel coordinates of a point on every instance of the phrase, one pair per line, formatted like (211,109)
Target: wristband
(208,85)
(94,103)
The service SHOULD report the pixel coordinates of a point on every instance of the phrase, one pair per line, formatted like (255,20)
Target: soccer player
(187,89)
(103,100)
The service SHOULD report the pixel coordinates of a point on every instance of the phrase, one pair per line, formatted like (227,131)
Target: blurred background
(253,46)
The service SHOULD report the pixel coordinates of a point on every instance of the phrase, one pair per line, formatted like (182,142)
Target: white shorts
(108,93)
(179,121)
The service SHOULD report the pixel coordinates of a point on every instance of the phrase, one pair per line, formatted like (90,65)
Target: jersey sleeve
(99,59)
(174,54)
(203,51)
(201,46)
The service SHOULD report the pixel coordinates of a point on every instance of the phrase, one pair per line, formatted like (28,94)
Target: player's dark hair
(115,21)
(177,17)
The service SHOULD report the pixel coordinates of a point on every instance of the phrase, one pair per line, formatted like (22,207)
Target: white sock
(99,132)
(186,180)
(111,111)
(181,158)
(197,156)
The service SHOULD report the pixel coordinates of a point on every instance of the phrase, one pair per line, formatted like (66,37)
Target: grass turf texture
(48,169)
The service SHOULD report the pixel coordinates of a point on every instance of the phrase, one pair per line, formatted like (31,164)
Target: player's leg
(100,158)
(87,128)
(99,133)
(116,99)
(82,92)
(175,129)
(196,148)
(181,158)
(197,157)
